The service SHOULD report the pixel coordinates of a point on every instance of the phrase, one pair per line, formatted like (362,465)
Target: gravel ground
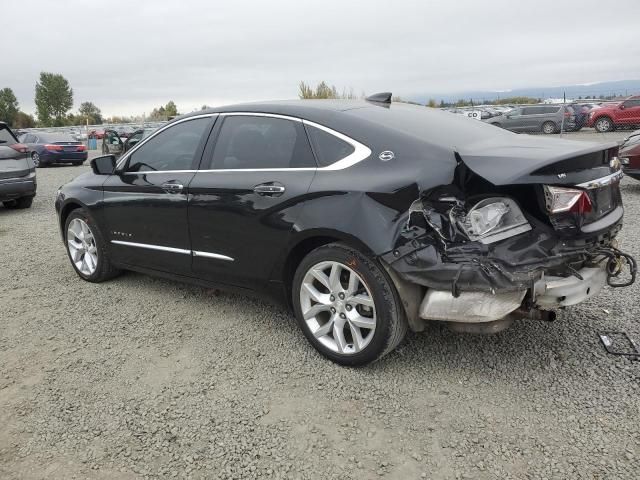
(146,378)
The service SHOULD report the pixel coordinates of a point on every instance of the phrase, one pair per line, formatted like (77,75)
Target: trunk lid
(590,167)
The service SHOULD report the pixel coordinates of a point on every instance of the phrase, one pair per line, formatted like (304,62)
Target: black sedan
(367,218)
(49,148)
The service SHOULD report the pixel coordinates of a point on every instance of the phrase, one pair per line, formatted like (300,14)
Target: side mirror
(621,107)
(103,165)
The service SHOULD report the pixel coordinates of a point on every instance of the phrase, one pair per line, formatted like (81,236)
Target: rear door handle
(172,187)
(271,189)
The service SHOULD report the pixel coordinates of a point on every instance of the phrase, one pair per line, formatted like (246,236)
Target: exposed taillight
(54,148)
(561,200)
(19,147)
(81,148)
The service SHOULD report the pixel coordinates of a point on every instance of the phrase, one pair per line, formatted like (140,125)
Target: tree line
(54,101)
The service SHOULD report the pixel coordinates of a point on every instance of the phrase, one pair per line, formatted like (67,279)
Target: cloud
(128,57)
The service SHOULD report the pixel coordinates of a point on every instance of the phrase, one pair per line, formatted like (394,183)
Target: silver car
(536,118)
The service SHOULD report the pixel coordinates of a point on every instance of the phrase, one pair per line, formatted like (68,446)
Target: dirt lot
(145,378)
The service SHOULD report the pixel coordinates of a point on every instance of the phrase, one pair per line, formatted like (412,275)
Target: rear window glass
(5,137)
(328,148)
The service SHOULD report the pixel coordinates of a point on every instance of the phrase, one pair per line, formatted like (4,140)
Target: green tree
(170,109)
(432,103)
(88,111)
(8,106)
(54,98)
(23,120)
(322,91)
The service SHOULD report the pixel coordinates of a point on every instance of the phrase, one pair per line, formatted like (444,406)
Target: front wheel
(35,156)
(346,306)
(603,125)
(86,248)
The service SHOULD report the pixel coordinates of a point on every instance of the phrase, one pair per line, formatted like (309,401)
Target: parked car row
(553,118)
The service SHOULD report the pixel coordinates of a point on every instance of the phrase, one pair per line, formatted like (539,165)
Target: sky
(129,57)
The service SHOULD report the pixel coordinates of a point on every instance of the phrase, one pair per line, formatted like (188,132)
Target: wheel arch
(304,244)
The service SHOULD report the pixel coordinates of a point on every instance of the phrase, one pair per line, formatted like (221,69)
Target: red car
(608,117)
(630,155)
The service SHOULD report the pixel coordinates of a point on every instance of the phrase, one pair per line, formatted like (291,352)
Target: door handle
(172,187)
(271,189)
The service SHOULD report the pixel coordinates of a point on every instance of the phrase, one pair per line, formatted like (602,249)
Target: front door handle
(271,189)
(172,187)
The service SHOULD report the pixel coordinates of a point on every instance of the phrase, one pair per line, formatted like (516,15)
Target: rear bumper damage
(443,275)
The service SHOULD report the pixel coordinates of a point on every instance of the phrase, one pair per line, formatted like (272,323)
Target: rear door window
(247,142)
(328,148)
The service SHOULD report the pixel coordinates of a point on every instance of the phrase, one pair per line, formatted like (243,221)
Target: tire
(603,125)
(76,164)
(367,334)
(549,127)
(92,242)
(35,157)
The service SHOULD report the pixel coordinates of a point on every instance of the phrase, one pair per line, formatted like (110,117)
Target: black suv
(17,171)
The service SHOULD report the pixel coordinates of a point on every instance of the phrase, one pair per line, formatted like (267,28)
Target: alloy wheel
(82,247)
(337,307)
(548,128)
(603,125)
(36,159)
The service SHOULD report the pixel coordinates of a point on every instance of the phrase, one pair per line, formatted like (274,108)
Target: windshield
(6,138)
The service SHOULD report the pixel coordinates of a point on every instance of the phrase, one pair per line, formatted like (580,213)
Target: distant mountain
(622,88)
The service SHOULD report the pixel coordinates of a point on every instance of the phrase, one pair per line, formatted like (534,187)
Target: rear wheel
(346,306)
(86,248)
(79,162)
(35,156)
(604,124)
(548,128)
(23,202)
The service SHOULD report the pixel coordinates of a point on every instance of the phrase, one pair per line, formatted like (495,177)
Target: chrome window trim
(152,247)
(217,256)
(602,181)
(126,156)
(360,152)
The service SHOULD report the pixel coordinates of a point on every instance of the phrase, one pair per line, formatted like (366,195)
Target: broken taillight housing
(494,219)
(562,199)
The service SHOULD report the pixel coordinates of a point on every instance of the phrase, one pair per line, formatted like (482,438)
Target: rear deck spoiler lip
(602,181)
(514,162)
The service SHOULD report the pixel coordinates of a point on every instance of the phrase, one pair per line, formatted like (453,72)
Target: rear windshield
(6,138)
(55,138)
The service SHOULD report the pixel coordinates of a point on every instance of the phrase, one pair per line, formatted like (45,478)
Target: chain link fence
(610,117)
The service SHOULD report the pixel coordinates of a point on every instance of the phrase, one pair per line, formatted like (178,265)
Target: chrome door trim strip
(126,156)
(195,253)
(152,247)
(217,256)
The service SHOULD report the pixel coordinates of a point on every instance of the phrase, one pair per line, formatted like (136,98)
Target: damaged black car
(368,218)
